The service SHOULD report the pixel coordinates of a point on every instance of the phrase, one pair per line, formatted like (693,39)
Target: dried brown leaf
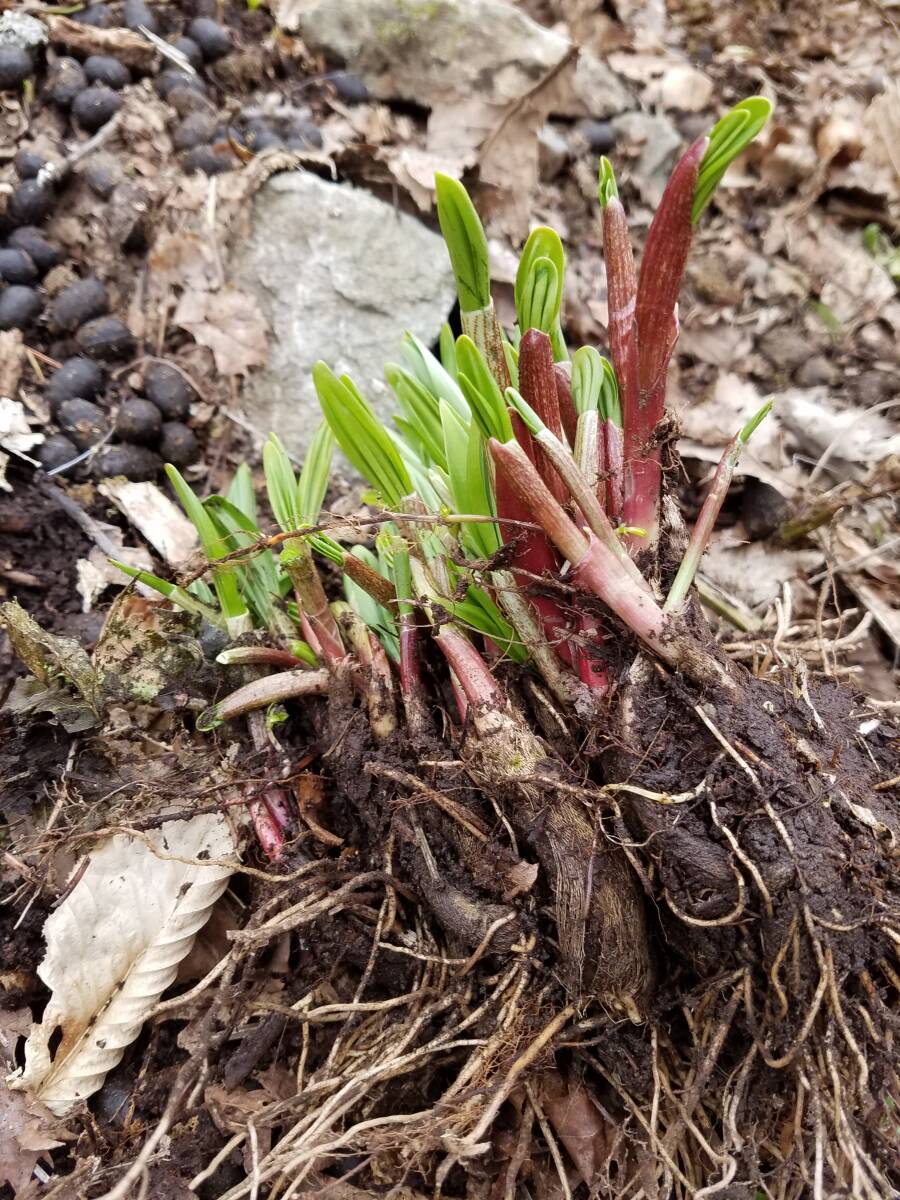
(230,323)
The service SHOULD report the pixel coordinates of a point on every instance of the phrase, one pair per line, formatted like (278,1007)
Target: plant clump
(615,868)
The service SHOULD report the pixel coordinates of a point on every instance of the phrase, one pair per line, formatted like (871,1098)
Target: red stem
(537,383)
(534,554)
(469,667)
(662,268)
(567,413)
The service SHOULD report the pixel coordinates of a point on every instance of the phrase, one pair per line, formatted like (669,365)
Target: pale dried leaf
(96,573)
(155,516)
(16,434)
(113,947)
(24,1139)
(755,572)
(12,360)
(230,323)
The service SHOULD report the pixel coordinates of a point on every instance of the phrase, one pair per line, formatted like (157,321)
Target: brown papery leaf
(230,323)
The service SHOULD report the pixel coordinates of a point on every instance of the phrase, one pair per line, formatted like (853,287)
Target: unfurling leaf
(727,138)
(466,243)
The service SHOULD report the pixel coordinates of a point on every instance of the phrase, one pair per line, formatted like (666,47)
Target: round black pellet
(67,80)
(19,307)
(79,302)
(136,13)
(17,267)
(39,250)
(190,50)
(96,15)
(76,377)
(211,37)
(205,159)
(350,88)
(16,64)
(30,202)
(168,390)
(196,129)
(179,444)
(103,68)
(136,463)
(106,339)
(303,135)
(83,421)
(96,105)
(27,164)
(138,421)
(173,78)
(55,451)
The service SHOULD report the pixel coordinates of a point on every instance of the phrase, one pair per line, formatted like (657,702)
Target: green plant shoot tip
(755,421)
(466,243)
(727,138)
(607,188)
(533,422)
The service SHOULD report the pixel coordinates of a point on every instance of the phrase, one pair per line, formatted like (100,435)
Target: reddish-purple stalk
(596,568)
(317,621)
(537,383)
(567,413)
(472,675)
(533,554)
(662,269)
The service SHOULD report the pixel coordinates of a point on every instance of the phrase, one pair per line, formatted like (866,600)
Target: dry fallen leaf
(230,323)
(24,1138)
(113,947)
(12,360)
(155,516)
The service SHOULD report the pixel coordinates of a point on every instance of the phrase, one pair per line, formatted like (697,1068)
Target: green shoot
(481,391)
(361,435)
(173,592)
(727,138)
(314,475)
(607,188)
(214,547)
(432,375)
(466,243)
(539,289)
(587,379)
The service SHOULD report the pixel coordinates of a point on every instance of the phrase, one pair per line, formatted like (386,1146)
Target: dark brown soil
(39,547)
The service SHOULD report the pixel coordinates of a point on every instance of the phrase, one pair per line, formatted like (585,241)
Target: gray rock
(339,276)
(434,52)
(658,141)
(553,150)
(818,370)
(19,29)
